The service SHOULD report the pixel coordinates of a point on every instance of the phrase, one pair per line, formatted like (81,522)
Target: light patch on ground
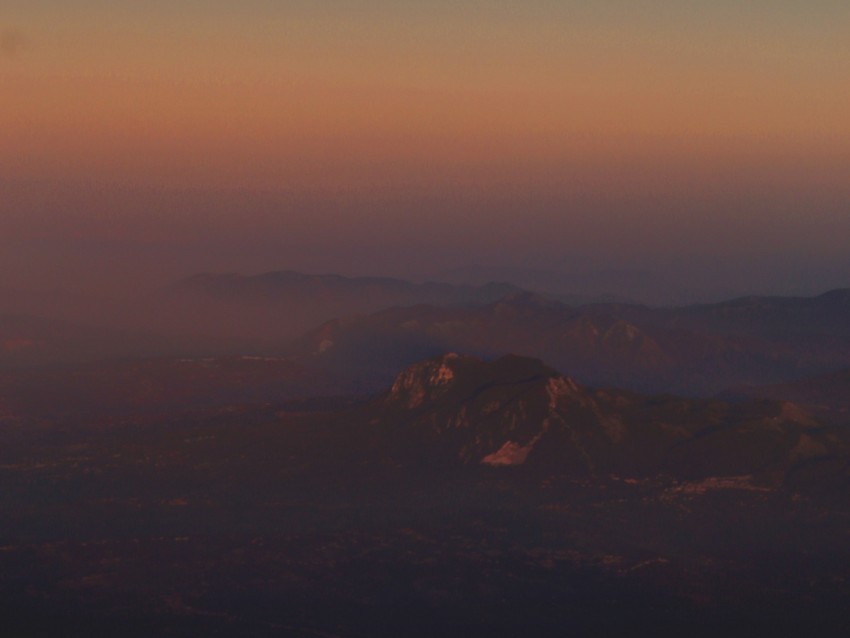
(713,483)
(511,453)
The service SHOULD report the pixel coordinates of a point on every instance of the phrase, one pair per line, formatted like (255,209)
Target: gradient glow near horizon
(663,119)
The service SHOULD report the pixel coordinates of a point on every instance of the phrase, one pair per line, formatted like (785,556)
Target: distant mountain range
(692,350)
(574,288)
(361,331)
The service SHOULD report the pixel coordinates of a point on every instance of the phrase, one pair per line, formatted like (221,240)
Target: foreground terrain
(471,498)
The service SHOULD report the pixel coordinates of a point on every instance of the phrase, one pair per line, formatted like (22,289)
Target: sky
(707,143)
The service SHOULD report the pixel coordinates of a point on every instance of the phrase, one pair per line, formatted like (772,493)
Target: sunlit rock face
(491,413)
(511,453)
(424,381)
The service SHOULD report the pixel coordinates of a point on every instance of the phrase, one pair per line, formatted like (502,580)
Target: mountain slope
(515,411)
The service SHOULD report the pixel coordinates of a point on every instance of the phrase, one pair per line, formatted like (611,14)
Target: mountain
(516,411)
(699,350)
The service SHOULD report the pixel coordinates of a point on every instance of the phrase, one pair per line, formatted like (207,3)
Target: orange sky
(274,98)
(684,113)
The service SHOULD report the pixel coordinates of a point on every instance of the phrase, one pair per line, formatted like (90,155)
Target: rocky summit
(516,411)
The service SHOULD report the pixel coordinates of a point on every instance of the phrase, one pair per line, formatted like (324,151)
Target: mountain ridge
(693,350)
(518,412)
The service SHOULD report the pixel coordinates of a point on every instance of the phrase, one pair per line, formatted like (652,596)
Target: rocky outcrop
(515,411)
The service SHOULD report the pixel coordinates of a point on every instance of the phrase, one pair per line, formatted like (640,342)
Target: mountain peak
(515,411)
(492,412)
(466,377)
(425,381)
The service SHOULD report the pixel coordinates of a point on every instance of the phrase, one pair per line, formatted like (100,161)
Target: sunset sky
(705,140)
